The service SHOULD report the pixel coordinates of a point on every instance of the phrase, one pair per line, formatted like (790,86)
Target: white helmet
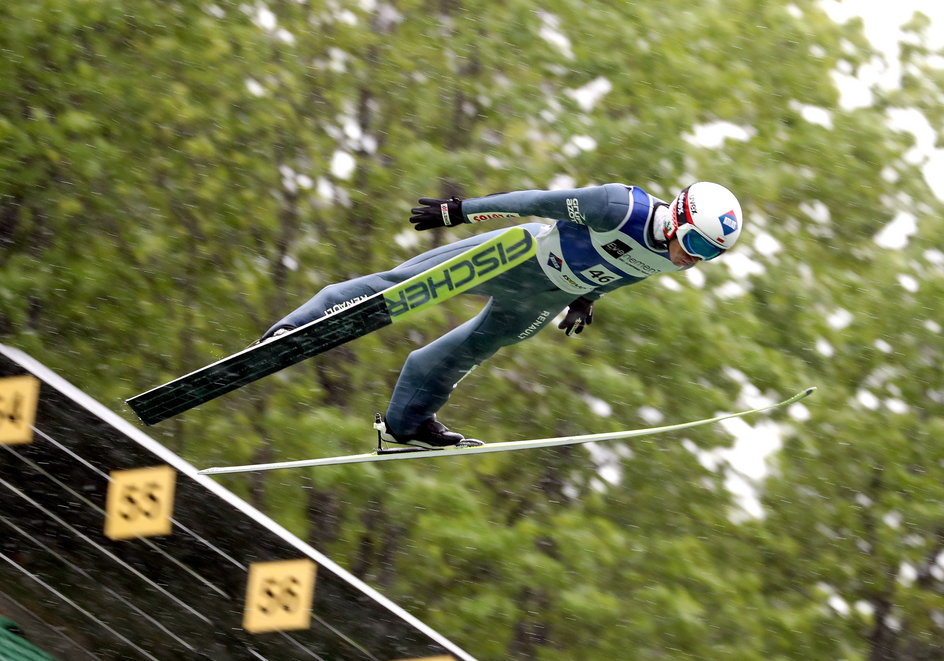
(706,217)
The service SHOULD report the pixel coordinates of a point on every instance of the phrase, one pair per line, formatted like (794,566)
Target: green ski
(457,275)
(382,454)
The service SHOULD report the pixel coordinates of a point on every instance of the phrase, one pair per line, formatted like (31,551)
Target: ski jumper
(602,240)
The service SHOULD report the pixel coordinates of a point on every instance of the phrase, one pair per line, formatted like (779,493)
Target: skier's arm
(601,208)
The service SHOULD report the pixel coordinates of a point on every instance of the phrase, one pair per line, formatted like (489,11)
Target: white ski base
(408,453)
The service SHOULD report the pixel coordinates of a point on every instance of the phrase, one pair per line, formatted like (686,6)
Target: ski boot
(282,330)
(431,435)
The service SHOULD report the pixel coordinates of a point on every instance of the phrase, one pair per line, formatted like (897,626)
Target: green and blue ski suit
(603,239)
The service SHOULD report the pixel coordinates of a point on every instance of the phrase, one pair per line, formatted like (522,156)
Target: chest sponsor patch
(622,252)
(617,248)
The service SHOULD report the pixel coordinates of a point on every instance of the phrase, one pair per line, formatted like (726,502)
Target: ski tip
(792,399)
(222,470)
(803,394)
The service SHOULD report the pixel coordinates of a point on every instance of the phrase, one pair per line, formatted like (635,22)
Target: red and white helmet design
(707,219)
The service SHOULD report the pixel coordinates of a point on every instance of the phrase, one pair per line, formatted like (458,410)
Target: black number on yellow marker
(279,596)
(140,502)
(19,396)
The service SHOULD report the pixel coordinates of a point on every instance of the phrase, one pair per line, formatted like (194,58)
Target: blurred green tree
(174,177)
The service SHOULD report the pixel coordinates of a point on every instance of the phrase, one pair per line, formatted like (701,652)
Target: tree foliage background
(176,176)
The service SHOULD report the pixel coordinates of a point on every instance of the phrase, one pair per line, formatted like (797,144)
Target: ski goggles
(695,244)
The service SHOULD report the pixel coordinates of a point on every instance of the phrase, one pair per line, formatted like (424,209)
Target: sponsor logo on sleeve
(555,262)
(573,211)
(490,215)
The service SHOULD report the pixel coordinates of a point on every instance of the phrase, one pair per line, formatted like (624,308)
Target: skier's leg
(431,373)
(330,298)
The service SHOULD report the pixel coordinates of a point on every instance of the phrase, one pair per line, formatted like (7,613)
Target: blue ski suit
(603,239)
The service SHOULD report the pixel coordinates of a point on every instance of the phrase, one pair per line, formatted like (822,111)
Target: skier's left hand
(437,213)
(579,314)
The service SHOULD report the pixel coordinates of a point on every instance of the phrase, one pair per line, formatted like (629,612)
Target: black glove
(437,213)
(578,315)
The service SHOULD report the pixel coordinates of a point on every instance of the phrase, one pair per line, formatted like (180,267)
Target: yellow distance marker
(140,502)
(19,396)
(279,596)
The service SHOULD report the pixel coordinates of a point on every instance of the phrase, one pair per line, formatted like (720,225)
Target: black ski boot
(282,330)
(431,435)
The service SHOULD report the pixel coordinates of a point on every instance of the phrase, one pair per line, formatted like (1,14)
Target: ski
(457,275)
(394,454)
